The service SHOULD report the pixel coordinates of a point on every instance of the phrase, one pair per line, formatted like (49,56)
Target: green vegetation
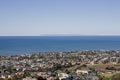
(102,77)
(108,75)
(115,77)
(40,78)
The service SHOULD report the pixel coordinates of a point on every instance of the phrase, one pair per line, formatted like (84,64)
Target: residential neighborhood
(73,65)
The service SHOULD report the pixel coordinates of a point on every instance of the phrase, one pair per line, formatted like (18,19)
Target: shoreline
(72,51)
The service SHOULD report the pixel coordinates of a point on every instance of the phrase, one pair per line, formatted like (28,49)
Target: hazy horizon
(63,17)
(57,35)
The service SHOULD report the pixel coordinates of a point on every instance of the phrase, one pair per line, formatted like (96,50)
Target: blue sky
(59,17)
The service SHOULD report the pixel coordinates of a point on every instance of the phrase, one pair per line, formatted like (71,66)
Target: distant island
(73,65)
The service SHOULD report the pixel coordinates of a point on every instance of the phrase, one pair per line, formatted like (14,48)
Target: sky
(59,17)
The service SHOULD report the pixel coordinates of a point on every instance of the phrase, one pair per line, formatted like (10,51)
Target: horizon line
(57,35)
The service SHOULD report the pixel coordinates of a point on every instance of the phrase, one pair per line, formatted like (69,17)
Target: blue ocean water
(12,45)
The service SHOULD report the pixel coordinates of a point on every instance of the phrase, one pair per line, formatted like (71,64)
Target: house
(105,60)
(118,60)
(29,78)
(63,76)
(82,71)
(43,75)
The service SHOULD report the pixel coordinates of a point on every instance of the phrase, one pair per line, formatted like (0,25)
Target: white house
(82,71)
(63,76)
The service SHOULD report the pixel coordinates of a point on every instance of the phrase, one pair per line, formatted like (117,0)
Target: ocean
(16,45)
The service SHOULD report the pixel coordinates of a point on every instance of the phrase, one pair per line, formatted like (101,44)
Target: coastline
(47,52)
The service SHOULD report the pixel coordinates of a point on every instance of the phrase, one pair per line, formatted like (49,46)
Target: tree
(84,65)
(115,77)
(26,73)
(40,78)
(102,77)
